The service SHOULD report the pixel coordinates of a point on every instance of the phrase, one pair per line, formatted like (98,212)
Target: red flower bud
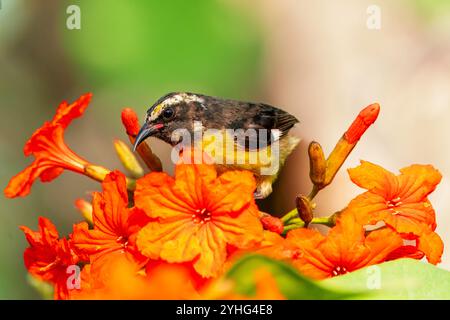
(272,223)
(130,121)
(362,122)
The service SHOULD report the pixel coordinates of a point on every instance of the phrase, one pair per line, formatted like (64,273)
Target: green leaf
(291,284)
(399,279)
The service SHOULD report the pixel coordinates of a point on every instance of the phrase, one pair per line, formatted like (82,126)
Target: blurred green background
(129,53)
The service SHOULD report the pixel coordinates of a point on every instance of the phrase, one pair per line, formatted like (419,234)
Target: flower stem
(290,215)
(294,212)
(292,227)
(326,221)
(296,223)
(315,190)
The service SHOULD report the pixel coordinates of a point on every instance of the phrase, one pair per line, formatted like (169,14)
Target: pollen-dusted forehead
(172,100)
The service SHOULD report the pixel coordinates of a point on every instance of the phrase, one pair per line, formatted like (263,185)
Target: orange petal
(110,212)
(212,251)
(51,153)
(431,245)
(369,208)
(66,113)
(421,212)
(20,185)
(231,192)
(310,260)
(242,231)
(345,242)
(381,244)
(93,242)
(406,251)
(155,195)
(50,174)
(416,182)
(192,182)
(46,235)
(267,286)
(375,179)
(156,236)
(114,223)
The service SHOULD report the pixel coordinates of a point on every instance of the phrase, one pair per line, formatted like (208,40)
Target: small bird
(256,133)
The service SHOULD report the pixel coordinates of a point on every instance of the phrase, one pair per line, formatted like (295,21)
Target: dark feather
(263,116)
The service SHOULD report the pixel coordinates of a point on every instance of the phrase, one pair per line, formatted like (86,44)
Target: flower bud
(362,122)
(317,164)
(85,209)
(131,123)
(128,159)
(349,140)
(272,223)
(304,208)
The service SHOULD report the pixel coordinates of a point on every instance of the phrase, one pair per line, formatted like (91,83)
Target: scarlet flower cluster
(164,237)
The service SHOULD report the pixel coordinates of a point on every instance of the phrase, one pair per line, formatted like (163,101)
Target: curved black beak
(145,132)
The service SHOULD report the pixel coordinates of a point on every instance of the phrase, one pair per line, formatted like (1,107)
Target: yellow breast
(227,154)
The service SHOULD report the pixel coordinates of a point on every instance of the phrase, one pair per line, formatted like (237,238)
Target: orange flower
(401,202)
(51,153)
(197,215)
(122,279)
(115,225)
(48,257)
(407,251)
(345,249)
(272,245)
(266,288)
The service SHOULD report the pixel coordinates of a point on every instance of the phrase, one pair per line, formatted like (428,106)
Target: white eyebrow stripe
(175,99)
(183,97)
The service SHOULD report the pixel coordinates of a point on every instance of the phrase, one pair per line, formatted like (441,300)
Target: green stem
(293,226)
(298,223)
(290,215)
(327,221)
(315,190)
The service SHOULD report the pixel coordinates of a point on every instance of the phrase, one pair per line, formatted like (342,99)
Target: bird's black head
(171,112)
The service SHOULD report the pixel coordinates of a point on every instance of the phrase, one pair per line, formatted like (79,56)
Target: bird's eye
(168,113)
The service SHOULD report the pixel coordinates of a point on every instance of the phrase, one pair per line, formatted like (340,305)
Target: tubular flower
(115,225)
(401,202)
(51,153)
(346,248)
(197,215)
(48,257)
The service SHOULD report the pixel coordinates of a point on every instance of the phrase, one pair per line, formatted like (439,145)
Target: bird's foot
(263,190)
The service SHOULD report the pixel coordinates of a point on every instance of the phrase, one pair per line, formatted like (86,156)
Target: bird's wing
(269,123)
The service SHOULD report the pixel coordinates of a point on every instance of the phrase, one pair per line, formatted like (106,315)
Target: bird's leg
(263,189)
